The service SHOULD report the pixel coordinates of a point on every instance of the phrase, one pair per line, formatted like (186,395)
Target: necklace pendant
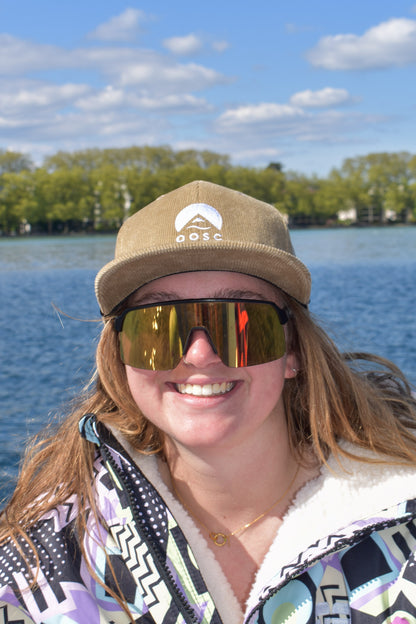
(219,539)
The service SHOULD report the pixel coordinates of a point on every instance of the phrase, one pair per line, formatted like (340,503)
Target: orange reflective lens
(241,332)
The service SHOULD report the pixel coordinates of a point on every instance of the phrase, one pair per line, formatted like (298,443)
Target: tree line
(96,190)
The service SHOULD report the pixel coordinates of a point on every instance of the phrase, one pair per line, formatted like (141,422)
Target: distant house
(390,215)
(347,215)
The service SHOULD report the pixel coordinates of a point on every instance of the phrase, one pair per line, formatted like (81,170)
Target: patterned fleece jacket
(344,553)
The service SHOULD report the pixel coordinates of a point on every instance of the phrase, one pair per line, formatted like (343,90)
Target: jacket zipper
(180,601)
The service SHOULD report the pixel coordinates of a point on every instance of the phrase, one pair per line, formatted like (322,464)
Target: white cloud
(146,91)
(389,44)
(130,95)
(192,44)
(110,98)
(321,99)
(220,46)
(18,56)
(267,123)
(184,103)
(24,98)
(258,114)
(165,76)
(183,46)
(122,66)
(82,127)
(123,27)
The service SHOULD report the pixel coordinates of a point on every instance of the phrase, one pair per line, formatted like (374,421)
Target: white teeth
(206,389)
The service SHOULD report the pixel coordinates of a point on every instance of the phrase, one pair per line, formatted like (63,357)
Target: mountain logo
(196,222)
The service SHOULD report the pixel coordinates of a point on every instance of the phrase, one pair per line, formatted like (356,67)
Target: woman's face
(202,404)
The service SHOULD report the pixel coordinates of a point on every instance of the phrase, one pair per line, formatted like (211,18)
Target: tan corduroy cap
(202,227)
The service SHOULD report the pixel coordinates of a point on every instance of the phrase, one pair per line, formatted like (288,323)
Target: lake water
(363,293)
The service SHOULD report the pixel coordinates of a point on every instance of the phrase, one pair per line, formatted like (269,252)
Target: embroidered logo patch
(196,222)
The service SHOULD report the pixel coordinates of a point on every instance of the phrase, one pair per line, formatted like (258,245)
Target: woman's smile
(205,390)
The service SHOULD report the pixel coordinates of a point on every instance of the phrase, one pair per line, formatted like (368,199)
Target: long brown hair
(356,397)
(329,400)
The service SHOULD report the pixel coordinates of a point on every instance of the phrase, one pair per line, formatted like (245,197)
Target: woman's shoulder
(55,534)
(358,483)
(52,536)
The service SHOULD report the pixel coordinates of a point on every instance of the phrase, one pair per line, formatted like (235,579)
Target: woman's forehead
(205,284)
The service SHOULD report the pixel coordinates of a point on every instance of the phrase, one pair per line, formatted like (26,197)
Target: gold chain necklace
(219,538)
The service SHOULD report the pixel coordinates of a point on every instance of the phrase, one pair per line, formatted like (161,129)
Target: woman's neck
(240,496)
(226,487)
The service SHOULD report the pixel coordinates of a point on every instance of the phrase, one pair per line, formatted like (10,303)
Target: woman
(229,464)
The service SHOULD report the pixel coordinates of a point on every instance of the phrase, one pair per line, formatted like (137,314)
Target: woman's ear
(292,366)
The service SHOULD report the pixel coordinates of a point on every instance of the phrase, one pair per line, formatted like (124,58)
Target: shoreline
(109,233)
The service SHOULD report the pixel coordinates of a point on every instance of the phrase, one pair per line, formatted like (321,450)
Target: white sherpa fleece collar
(339,496)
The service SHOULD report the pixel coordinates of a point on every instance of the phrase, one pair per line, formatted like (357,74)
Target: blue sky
(307,84)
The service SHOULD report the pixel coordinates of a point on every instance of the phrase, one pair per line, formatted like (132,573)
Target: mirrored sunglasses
(242,332)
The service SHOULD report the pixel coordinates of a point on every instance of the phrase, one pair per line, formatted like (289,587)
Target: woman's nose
(199,350)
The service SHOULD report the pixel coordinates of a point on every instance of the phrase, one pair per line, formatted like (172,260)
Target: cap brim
(120,277)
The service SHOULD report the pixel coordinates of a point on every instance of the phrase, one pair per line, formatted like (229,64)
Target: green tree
(377,182)
(66,198)
(16,200)
(112,196)
(14,162)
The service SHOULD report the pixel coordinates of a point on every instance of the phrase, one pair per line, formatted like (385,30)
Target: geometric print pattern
(152,583)
(154,595)
(363,574)
(155,550)
(370,581)
(64,591)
